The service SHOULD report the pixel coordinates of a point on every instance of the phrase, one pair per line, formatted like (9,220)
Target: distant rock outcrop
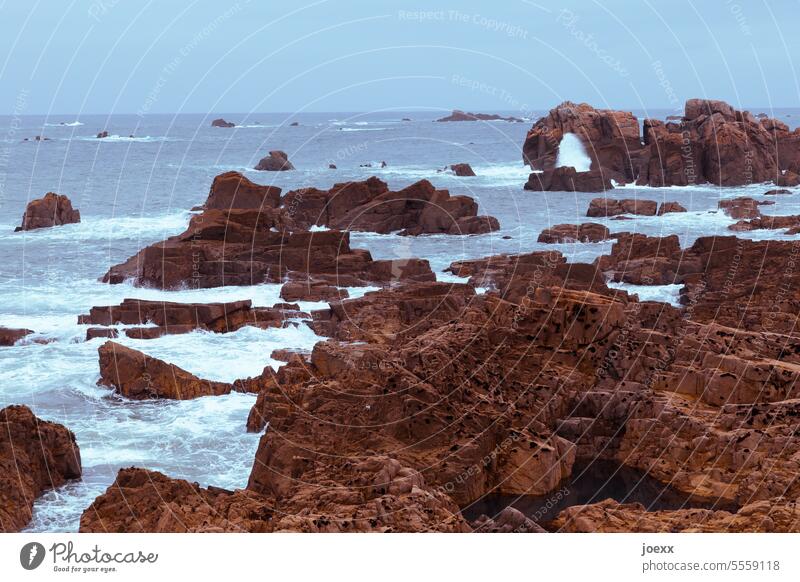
(276,161)
(712,142)
(458,115)
(222,123)
(51,210)
(462,170)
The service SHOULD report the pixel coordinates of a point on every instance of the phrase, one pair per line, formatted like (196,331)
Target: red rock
(311,291)
(610,139)
(371,206)
(95,332)
(666,207)
(738,208)
(101,135)
(52,210)
(172,318)
(222,123)
(458,115)
(10,336)
(509,520)
(35,455)
(462,170)
(600,207)
(775,191)
(566,179)
(566,233)
(233,190)
(276,161)
(140,377)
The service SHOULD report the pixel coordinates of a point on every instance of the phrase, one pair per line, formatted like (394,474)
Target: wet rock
(666,207)
(312,291)
(276,161)
(222,123)
(738,208)
(462,170)
(138,376)
(371,206)
(232,190)
(566,179)
(35,455)
(601,207)
(776,191)
(51,210)
(566,233)
(458,115)
(9,336)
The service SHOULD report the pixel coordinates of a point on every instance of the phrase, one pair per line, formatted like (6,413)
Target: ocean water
(133,191)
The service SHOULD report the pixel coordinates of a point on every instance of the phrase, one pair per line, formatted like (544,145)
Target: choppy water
(135,191)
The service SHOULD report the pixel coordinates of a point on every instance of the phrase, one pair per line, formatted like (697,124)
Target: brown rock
(222,123)
(233,190)
(566,233)
(458,115)
(312,291)
(462,170)
(276,161)
(738,208)
(600,207)
(35,455)
(52,210)
(9,336)
(566,179)
(140,377)
(670,207)
(371,206)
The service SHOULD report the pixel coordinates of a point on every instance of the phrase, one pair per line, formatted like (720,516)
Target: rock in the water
(462,170)
(276,161)
(138,376)
(35,455)
(566,233)
(222,123)
(232,190)
(371,206)
(458,115)
(101,135)
(670,207)
(9,336)
(600,207)
(566,179)
(51,210)
(739,208)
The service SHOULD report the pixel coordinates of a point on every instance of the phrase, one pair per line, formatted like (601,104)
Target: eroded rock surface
(35,455)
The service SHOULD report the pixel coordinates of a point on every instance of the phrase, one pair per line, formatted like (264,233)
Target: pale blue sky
(126,56)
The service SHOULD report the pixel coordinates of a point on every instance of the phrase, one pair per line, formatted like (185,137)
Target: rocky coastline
(426,397)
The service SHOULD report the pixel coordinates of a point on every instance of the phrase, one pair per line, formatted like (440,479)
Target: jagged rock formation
(51,210)
(35,455)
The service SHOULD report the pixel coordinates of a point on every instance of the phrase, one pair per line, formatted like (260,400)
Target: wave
(64,124)
(663,293)
(124,139)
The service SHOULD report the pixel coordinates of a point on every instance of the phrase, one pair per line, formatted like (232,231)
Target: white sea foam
(571,152)
(64,124)
(664,293)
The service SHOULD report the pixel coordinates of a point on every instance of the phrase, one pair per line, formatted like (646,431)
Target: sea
(137,187)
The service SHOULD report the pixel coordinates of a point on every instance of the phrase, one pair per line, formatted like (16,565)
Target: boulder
(600,207)
(739,208)
(568,233)
(232,190)
(222,123)
(35,455)
(51,210)
(138,376)
(666,207)
(370,206)
(9,336)
(462,170)
(566,179)
(276,161)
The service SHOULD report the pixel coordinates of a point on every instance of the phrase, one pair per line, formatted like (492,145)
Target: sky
(201,56)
